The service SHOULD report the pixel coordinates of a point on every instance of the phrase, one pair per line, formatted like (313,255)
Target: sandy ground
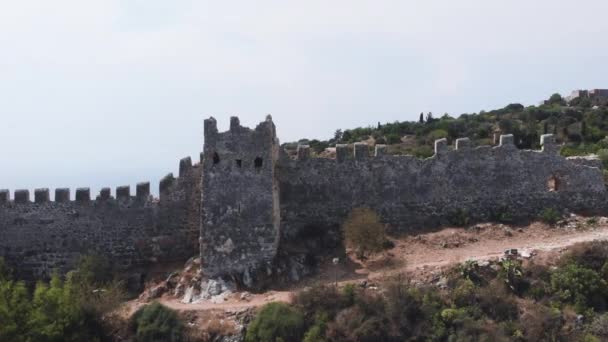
(426,255)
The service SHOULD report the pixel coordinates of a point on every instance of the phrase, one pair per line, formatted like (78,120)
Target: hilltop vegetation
(581,125)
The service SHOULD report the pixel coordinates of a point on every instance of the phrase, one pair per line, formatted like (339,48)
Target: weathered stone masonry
(39,237)
(316,194)
(248,200)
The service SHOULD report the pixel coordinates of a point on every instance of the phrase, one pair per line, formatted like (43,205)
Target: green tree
(276,322)
(580,286)
(556,99)
(157,323)
(364,232)
(14,311)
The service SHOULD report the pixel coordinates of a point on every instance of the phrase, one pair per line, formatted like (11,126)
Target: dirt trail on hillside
(424,256)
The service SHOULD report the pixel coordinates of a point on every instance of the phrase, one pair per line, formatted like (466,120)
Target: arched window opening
(239,163)
(216,158)
(258,162)
(553,184)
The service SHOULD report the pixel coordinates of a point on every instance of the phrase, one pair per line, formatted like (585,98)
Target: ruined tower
(240,209)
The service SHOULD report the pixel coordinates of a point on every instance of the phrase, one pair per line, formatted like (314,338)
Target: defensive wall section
(409,194)
(240,206)
(247,200)
(39,236)
(241,203)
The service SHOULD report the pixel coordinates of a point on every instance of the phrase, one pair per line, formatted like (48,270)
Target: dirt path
(430,253)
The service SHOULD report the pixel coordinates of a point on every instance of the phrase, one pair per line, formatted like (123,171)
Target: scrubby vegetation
(64,309)
(580,125)
(503,301)
(364,232)
(156,323)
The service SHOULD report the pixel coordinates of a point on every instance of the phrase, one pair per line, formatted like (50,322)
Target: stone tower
(240,205)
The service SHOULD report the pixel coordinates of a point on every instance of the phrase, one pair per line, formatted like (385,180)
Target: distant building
(590,94)
(575,94)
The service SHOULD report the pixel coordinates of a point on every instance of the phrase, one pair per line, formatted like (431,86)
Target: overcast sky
(112,92)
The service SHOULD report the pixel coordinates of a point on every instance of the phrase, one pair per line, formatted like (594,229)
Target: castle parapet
(507,141)
(235,124)
(303,152)
(5,196)
(143,191)
(83,195)
(22,196)
(441,146)
(185,166)
(42,196)
(380,150)
(165,183)
(341,152)
(547,143)
(210,127)
(123,193)
(361,151)
(463,144)
(105,194)
(62,195)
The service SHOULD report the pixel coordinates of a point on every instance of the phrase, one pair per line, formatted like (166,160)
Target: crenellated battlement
(41,235)
(360,151)
(187,173)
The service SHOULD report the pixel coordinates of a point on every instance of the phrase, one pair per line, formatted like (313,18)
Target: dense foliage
(364,232)
(503,301)
(69,309)
(156,323)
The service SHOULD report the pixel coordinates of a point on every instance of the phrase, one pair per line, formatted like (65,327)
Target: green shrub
(580,286)
(364,232)
(316,332)
(156,323)
(459,218)
(464,293)
(592,255)
(320,299)
(403,305)
(470,270)
(599,326)
(276,322)
(393,138)
(497,303)
(423,151)
(550,216)
(603,155)
(353,324)
(15,306)
(512,274)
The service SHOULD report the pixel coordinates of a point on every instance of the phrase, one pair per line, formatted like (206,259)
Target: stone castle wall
(39,236)
(247,200)
(240,213)
(409,194)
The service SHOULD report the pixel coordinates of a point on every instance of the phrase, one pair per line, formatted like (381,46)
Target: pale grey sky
(112,92)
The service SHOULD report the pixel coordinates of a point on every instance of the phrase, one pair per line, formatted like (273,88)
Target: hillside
(580,124)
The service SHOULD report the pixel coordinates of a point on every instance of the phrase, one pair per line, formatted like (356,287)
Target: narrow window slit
(258,162)
(216,158)
(239,163)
